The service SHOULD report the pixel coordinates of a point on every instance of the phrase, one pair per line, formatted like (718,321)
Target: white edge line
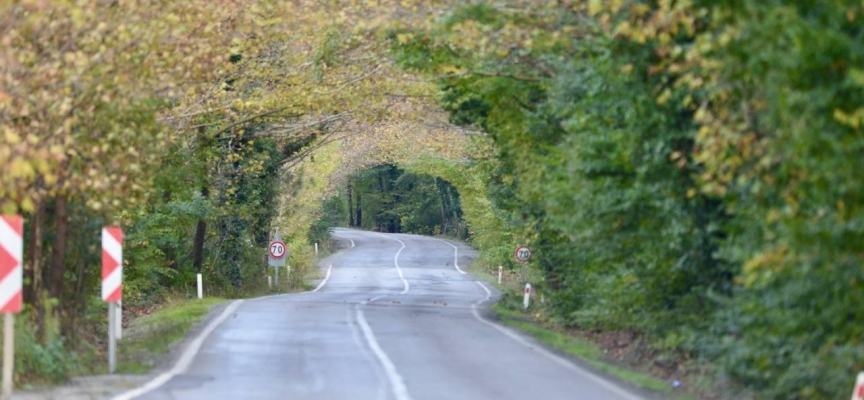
(323,282)
(397,385)
(552,356)
(185,360)
(343,237)
(320,285)
(195,346)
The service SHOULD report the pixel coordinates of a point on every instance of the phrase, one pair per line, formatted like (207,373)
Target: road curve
(397,319)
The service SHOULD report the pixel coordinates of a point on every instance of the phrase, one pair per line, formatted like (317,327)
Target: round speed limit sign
(523,254)
(277,249)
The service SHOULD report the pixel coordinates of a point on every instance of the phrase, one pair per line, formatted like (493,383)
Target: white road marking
(455,254)
(185,360)
(397,385)
(320,285)
(326,277)
(383,379)
(193,348)
(550,355)
(396,262)
(344,237)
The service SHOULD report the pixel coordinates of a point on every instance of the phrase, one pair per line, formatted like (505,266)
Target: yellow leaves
(27,205)
(762,267)
(404,38)
(664,96)
(19,168)
(853,120)
(11,137)
(595,7)
(451,69)
(691,193)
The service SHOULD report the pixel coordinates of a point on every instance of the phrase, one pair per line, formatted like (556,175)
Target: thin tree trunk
(441,207)
(359,210)
(350,204)
(454,213)
(61,241)
(33,269)
(200,235)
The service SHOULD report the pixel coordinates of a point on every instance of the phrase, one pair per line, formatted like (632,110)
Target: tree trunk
(33,269)
(350,205)
(454,221)
(441,206)
(61,241)
(359,219)
(200,235)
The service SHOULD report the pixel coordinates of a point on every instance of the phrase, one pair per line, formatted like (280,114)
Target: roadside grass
(151,336)
(584,350)
(508,313)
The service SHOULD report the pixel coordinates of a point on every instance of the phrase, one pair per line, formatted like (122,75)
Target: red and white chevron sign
(11,256)
(112,264)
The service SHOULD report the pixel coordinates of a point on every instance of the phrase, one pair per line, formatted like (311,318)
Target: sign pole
(277,277)
(525,272)
(8,353)
(118,322)
(112,338)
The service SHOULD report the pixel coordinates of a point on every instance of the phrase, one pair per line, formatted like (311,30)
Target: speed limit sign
(277,252)
(277,249)
(523,254)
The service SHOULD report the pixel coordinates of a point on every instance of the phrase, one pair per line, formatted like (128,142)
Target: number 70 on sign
(523,254)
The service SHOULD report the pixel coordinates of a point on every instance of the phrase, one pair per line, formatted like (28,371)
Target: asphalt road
(396,320)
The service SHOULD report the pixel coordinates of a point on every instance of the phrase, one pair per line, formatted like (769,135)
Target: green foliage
(389,199)
(686,171)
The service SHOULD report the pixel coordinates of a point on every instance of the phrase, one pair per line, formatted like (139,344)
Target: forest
(688,172)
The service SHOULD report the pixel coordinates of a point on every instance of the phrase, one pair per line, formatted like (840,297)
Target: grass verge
(150,337)
(585,351)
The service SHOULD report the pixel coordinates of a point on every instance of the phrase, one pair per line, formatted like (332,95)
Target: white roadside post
(200,287)
(316,249)
(112,285)
(858,391)
(500,273)
(12,247)
(527,300)
(269,282)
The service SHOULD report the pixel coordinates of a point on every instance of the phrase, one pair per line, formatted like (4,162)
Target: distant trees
(398,201)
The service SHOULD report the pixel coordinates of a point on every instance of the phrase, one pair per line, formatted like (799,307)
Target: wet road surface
(396,319)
